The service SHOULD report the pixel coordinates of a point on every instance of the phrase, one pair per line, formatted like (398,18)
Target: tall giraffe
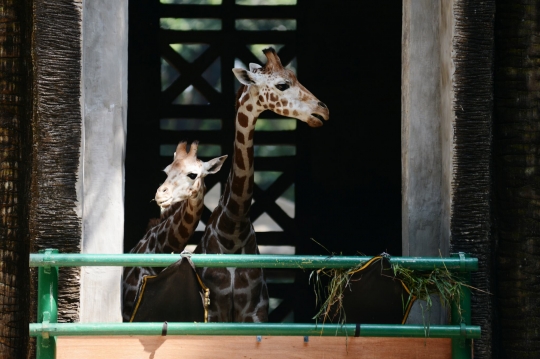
(181,199)
(240,294)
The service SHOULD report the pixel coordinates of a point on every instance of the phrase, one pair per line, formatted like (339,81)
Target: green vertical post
(47,307)
(462,348)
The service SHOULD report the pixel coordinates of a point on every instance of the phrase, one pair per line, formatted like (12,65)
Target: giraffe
(180,198)
(240,294)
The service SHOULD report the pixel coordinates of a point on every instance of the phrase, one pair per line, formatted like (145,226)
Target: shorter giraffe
(181,200)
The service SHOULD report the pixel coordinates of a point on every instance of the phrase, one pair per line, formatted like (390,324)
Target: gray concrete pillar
(427,135)
(101,178)
(427,122)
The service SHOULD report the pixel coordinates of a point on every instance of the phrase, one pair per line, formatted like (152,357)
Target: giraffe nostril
(322,104)
(165,189)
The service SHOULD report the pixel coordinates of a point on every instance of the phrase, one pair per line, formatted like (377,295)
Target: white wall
(101,179)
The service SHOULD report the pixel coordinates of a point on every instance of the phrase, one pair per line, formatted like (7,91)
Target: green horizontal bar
(243,261)
(283,329)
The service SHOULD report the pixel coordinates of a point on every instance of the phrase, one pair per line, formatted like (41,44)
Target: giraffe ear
(245,77)
(253,67)
(213,165)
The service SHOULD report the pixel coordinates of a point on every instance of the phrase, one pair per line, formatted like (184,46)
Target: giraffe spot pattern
(240,279)
(240,137)
(177,217)
(273,97)
(251,183)
(242,119)
(226,225)
(238,159)
(183,231)
(250,156)
(238,185)
(286,112)
(244,99)
(250,135)
(284,102)
(261,98)
(295,113)
(188,217)
(213,246)
(249,107)
(234,207)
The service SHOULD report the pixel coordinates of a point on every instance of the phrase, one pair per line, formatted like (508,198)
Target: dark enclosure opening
(334,189)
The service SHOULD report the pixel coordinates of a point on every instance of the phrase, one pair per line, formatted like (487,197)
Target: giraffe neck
(231,222)
(177,224)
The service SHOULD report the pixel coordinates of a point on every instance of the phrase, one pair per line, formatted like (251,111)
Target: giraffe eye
(282,87)
(192,175)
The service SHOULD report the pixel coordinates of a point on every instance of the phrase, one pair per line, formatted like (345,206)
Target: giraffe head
(185,175)
(279,91)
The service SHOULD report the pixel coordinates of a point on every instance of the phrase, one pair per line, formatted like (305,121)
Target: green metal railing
(47,329)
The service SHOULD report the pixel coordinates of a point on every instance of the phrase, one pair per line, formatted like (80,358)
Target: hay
(421,284)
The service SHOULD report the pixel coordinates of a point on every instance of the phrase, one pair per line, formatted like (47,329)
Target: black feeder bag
(176,294)
(375,296)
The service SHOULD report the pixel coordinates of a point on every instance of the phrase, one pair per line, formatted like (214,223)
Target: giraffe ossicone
(241,294)
(181,199)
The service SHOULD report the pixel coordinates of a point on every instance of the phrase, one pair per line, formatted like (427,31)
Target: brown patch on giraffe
(255,273)
(143,248)
(285,102)
(273,97)
(243,119)
(226,225)
(244,234)
(171,232)
(188,217)
(258,103)
(244,99)
(233,207)
(228,243)
(250,135)
(295,113)
(250,157)
(239,159)
(177,217)
(261,98)
(212,245)
(241,279)
(278,104)
(262,314)
(238,185)
(240,300)
(244,226)
(271,105)
(240,137)
(251,183)
(184,232)
(249,107)
(247,206)
(286,112)
(266,95)
(219,277)
(167,249)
